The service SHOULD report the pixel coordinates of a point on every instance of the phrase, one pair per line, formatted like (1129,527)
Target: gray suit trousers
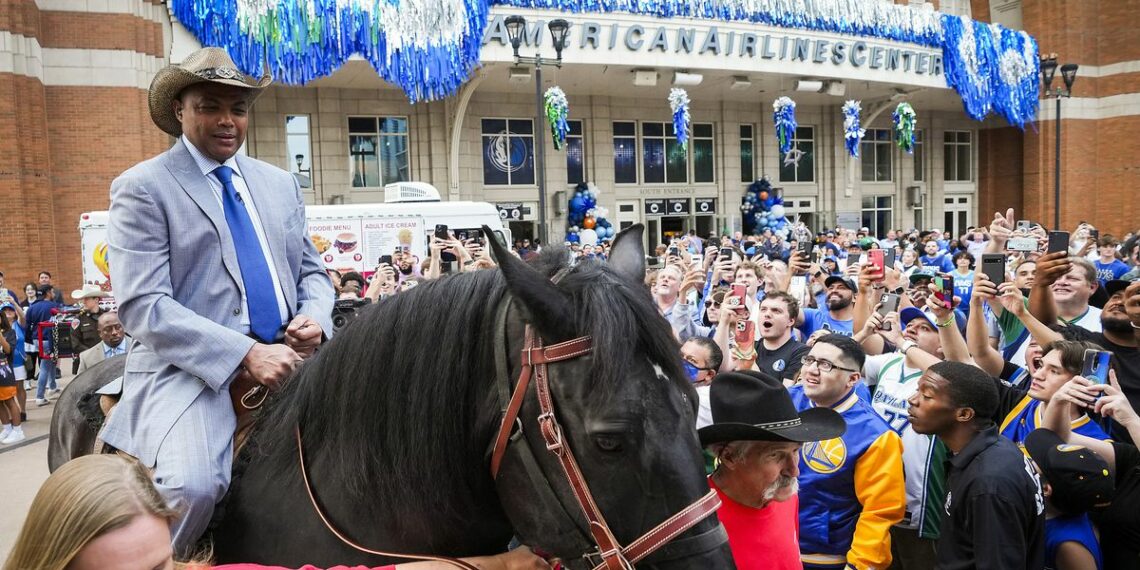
(193,467)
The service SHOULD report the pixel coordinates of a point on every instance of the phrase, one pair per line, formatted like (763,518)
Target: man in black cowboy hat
(215,277)
(756,436)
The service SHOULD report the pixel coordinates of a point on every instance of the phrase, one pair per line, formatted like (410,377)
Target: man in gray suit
(214,276)
(111,342)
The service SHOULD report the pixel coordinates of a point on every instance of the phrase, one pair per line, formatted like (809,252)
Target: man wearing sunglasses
(851,487)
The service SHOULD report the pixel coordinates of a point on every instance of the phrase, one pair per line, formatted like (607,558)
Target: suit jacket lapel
(272,223)
(182,166)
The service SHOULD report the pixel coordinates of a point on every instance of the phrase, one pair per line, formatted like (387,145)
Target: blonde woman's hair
(83,500)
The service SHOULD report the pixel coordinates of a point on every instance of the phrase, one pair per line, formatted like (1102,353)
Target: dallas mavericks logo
(779,365)
(506,153)
(824,456)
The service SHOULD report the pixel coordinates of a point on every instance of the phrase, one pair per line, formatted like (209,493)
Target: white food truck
(349,237)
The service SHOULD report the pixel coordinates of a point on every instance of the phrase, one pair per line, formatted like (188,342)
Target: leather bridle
(609,554)
(612,555)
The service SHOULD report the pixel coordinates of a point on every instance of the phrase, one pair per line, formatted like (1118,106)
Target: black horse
(397,415)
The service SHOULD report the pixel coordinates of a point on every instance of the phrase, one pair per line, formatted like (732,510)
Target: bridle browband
(610,555)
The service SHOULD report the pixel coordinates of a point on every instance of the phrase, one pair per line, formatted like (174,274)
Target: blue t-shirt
(1109,271)
(940,262)
(963,288)
(1077,529)
(815,319)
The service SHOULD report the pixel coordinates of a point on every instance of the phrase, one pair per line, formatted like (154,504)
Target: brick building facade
(73,114)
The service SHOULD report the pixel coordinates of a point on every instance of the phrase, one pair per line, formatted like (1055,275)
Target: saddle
(246,395)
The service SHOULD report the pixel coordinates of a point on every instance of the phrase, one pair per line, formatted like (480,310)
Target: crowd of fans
(977,429)
(953,361)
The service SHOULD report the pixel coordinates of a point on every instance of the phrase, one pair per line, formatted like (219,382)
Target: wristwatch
(907,345)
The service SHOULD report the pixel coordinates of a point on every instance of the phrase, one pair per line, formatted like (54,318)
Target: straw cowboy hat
(89,290)
(205,65)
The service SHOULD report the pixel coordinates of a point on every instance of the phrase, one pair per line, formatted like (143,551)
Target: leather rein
(612,555)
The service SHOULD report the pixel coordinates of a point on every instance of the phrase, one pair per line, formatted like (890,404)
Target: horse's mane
(395,406)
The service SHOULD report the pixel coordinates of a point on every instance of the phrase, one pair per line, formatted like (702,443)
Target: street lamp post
(516,27)
(1069,75)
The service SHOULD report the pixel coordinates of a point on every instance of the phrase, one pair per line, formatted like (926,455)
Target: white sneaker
(4,433)
(16,436)
(54,392)
(42,402)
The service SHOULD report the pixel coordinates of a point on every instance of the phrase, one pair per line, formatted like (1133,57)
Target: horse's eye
(608,443)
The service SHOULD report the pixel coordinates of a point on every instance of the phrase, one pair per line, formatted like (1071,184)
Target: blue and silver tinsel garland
(429,47)
(679,103)
(852,129)
(557,110)
(993,69)
(784,115)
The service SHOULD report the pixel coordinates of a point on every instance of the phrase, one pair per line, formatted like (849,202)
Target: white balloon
(588,236)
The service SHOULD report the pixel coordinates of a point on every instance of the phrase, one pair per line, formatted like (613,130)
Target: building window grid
(747,153)
(650,149)
(875,155)
(625,152)
(378,150)
(508,151)
(663,159)
(958,156)
(702,154)
(804,140)
(575,153)
(877,213)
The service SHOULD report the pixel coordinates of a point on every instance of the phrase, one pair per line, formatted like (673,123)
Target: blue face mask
(691,370)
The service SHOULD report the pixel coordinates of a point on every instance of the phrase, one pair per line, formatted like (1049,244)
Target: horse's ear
(627,256)
(551,309)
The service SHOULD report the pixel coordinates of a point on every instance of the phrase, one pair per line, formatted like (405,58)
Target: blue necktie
(264,317)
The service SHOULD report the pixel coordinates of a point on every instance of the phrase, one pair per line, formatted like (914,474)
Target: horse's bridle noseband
(611,555)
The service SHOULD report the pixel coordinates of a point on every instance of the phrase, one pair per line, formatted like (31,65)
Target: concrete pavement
(24,467)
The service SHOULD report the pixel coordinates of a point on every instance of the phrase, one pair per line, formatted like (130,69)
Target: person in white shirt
(1061,291)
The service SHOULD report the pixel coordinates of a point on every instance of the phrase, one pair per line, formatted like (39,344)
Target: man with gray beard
(756,436)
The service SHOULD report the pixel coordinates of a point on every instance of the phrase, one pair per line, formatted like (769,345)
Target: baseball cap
(7,305)
(910,313)
(924,273)
(1115,286)
(1079,477)
(849,283)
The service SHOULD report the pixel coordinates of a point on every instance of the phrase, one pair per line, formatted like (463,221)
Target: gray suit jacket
(90,357)
(179,289)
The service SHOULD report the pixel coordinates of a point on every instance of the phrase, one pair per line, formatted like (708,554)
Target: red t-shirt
(762,539)
(305,567)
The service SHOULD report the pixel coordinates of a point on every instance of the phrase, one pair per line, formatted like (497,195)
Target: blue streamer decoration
(429,47)
(429,52)
(993,69)
(679,103)
(853,130)
(557,110)
(784,115)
